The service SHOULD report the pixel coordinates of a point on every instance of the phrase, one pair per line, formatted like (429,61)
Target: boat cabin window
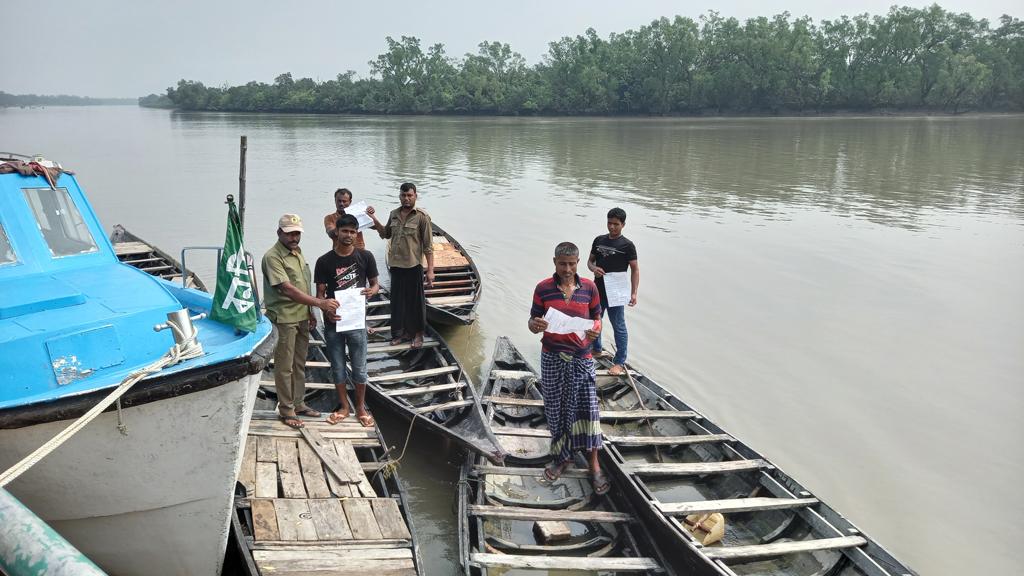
(6,252)
(60,221)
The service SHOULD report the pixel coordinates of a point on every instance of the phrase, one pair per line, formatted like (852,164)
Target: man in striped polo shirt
(567,368)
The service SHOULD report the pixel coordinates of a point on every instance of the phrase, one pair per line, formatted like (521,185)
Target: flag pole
(243,147)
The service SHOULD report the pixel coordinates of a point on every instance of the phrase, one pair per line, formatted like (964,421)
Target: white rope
(178,353)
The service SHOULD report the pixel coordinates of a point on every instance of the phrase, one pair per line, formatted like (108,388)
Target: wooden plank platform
(314,510)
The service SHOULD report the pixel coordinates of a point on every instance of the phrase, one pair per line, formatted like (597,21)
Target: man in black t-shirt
(343,268)
(613,252)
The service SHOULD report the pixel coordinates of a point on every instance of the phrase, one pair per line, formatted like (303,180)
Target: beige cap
(290,223)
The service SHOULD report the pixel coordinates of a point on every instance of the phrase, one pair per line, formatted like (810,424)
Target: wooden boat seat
(668,440)
(526,471)
(647,414)
(529,432)
(696,468)
(733,505)
(531,514)
(507,401)
(780,548)
(417,390)
(511,374)
(125,248)
(444,406)
(572,563)
(449,300)
(397,376)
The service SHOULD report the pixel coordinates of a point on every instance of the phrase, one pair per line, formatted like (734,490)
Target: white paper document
(352,309)
(618,288)
(358,209)
(561,323)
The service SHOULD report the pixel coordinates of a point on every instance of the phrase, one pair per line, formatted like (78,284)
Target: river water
(846,295)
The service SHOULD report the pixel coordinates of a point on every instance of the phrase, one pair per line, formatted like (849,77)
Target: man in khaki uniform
(411,236)
(286,293)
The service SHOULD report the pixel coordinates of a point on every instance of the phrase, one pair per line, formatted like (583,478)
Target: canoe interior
(134,251)
(697,440)
(501,508)
(453,298)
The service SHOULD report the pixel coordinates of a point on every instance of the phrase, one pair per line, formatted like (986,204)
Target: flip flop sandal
(336,417)
(552,472)
(601,484)
(366,420)
(292,422)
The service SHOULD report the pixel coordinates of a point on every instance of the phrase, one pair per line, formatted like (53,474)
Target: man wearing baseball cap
(286,293)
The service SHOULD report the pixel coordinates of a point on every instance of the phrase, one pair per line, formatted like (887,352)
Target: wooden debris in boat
(548,531)
(446,255)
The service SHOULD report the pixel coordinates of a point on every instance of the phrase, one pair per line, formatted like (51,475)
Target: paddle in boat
(146,487)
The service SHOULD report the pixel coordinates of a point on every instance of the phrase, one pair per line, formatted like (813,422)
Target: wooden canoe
(509,520)
(136,252)
(677,466)
(453,298)
(428,384)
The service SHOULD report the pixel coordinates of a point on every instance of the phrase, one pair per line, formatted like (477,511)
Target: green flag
(233,301)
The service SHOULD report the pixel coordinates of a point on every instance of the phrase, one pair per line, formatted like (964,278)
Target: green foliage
(26,100)
(907,59)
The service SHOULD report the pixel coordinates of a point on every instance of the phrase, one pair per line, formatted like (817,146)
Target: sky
(118,48)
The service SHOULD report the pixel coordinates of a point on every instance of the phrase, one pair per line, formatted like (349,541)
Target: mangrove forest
(909,59)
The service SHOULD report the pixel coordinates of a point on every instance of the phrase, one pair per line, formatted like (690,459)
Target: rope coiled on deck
(188,349)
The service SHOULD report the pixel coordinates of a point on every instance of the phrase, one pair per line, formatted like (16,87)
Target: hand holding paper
(358,209)
(352,309)
(561,323)
(617,287)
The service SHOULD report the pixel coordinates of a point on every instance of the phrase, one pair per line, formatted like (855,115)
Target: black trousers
(408,303)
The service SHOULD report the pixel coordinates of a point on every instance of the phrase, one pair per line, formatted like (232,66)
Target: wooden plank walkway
(314,510)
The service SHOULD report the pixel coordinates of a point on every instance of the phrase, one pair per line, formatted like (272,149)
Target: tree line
(908,59)
(23,100)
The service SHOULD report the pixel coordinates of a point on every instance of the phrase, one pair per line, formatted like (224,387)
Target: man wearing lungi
(567,368)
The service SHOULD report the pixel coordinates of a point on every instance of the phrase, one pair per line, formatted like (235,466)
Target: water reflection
(884,170)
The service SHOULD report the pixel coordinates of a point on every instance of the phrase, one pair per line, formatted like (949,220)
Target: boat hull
(156,500)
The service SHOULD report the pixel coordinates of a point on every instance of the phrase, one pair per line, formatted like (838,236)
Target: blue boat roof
(73,319)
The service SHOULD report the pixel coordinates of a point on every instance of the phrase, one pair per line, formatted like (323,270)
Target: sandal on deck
(366,420)
(617,370)
(601,484)
(307,411)
(417,343)
(336,417)
(552,472)
(292,422)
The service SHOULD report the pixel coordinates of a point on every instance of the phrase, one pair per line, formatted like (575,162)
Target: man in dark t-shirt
(613,252)
(343,268)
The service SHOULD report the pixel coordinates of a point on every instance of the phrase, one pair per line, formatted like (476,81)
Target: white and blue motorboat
(147,486)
